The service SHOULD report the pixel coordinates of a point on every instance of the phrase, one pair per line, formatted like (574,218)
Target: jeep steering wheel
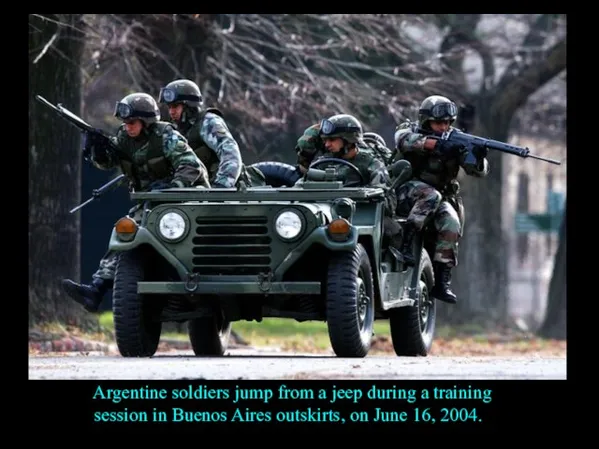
(335,160)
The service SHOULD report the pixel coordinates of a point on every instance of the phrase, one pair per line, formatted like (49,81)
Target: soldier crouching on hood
(154,156)
(208,135)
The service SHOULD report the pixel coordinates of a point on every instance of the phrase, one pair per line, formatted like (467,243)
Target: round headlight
(288,225)
(172,226)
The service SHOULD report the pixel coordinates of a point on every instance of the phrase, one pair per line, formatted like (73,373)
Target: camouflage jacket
(160,153)
(427,165)
(373,172)
(210,138)
(309,145)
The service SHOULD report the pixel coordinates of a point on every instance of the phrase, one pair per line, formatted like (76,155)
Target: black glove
(448,148)
(480,152)
(160,185)
(97,144)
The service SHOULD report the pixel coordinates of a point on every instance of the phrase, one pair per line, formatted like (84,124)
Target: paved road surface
(263,364)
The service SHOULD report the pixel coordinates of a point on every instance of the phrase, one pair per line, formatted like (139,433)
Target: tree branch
(516,92)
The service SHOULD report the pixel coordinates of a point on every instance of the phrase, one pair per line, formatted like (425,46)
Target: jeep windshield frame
(286,194)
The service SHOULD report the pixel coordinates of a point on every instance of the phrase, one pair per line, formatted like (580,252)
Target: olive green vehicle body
(231,250)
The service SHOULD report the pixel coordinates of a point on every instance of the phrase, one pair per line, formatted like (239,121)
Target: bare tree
(55,48)
(514,64)
(273,74)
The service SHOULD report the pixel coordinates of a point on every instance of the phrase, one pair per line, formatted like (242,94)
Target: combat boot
(441,290)
(406,248)
(89,296)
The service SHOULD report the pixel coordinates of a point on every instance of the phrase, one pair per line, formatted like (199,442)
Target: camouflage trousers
(107,266)
(422,203)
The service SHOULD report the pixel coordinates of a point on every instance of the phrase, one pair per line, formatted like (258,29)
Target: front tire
(350,303)
(413,327)
(137,335)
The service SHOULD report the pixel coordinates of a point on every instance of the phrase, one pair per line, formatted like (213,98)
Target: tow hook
(264,280)
(191,285)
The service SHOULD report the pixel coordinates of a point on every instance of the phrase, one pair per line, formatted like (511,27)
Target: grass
(312,336)
(290,334)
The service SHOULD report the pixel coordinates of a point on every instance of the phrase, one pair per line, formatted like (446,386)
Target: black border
(63,410)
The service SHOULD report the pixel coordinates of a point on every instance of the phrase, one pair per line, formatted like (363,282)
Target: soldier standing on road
(208,135)
(432,193)
(154,156)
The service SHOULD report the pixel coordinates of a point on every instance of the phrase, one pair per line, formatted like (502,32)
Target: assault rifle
(99,138)
(470,142)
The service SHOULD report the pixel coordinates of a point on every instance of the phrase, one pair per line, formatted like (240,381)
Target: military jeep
(311,252)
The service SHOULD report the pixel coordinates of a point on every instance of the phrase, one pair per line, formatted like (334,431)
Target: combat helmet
(182,91)
(437,107)
(345,126)
(375,138)
(138,106)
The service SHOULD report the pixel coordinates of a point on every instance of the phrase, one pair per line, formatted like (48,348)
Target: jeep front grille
(231,246)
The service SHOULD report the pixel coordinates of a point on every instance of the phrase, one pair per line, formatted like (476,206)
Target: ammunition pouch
(159,168)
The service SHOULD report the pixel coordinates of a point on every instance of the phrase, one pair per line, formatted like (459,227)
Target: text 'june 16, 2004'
(199,403)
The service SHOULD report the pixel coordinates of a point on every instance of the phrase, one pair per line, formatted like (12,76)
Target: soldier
(435,165)
(311,143)
(342,137)
(207,134)
(154,156)
(379,146)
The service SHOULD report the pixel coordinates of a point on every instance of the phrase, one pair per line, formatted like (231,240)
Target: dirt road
(265,364)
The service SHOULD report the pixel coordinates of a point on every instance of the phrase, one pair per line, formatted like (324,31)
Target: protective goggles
(328,128)
(441,111)
(125,111)
(171,96)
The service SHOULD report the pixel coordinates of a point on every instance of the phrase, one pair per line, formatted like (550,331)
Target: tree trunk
(54,170)
(554,325)
(481,276)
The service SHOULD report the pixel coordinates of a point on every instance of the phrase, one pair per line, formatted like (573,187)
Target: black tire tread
(132,337)
(278,174)
(404,322)
(341,311)
(204,337)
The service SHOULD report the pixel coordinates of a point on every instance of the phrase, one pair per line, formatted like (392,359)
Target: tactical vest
(431,168)
(153,162)
(203,151)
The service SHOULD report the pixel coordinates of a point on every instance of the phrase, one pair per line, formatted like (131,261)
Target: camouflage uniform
(429,196)
(310,144)
(373,172)
(349,129)
(158,158)
(208,135)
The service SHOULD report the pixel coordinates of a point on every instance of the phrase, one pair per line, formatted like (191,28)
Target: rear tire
(413,327)
(209,336)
